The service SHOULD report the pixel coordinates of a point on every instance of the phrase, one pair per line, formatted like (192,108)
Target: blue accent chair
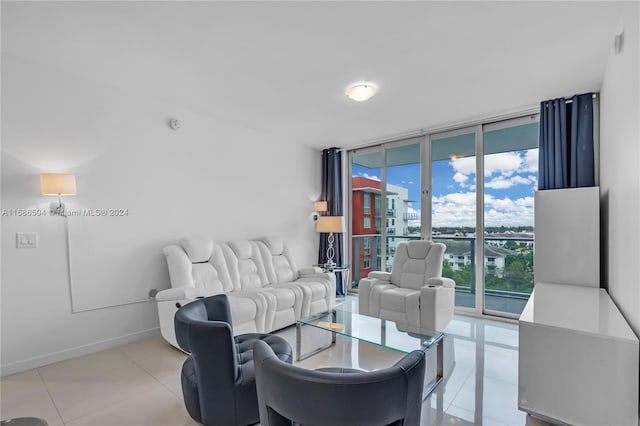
(218,378)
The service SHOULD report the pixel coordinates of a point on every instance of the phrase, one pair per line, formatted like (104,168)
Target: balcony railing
(506,288)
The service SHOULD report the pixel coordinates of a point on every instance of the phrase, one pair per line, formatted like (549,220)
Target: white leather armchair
(414,293)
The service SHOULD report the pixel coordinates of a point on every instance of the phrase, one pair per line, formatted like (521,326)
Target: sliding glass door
(385,204)
(366,213)
(471,189)
(403,189)
(510,179)
(453,208)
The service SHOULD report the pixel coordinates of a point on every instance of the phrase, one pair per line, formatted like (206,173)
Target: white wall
(619,172)
(209,178)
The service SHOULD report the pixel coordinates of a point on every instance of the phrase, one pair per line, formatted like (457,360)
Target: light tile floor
(139,383)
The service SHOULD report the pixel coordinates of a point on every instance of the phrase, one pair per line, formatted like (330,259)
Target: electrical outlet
(26,239)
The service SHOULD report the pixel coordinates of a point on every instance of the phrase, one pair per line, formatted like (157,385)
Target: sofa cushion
(246,267)
(248,311)
(415,262)
(205,276)
(401,305)
(274,244)
(278,262)
(198,249)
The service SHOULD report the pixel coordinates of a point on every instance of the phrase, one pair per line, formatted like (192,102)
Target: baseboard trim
(39,361)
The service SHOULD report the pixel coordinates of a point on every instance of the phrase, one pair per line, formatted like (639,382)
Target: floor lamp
(330,224)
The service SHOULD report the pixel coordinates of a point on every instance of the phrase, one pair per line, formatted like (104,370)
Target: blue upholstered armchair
(337,396)
(218,380)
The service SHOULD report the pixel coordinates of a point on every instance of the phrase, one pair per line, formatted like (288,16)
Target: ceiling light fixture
(361,91)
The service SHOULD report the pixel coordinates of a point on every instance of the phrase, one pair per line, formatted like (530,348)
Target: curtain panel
(566,156)
(332,193)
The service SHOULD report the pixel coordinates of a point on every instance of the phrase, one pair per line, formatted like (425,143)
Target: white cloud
(507,212)
(522,180)
(368,176)
(460,179)
(503,169)
(499,183)
(454,209)
(525,202)
(531,161)
(503,182)
(465,165)
(505,163)
(493,217)
(459,209)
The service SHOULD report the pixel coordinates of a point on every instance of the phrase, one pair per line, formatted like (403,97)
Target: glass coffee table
(383,333)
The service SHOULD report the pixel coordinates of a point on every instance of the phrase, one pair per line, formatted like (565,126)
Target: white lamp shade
(320,206)
(57,184)
(330,224)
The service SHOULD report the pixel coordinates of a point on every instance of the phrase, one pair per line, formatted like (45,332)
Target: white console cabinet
(578,358)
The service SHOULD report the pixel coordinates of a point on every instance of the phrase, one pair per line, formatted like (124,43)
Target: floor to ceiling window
(366,213)
(510,179)
(470,188)
(453,208)
(385,204)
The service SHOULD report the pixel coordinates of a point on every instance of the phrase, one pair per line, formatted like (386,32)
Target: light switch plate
(26,239)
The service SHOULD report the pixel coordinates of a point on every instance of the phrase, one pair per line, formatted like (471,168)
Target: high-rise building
(369,215)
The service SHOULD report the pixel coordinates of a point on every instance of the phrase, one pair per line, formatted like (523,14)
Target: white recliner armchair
(414,293)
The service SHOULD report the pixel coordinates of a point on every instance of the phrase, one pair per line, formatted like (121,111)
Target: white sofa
(414,293)
(266,290)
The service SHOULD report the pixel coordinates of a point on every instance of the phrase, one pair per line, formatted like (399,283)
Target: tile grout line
(113,404)
(154,377)
(473,369)
(138,365)
(50,396)
(118,401)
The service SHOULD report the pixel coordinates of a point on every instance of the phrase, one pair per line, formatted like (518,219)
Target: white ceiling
(281,67)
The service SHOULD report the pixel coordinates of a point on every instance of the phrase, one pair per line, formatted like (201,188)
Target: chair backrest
(198,263)
(246,265)
(415,262)
(277,260)
(286,393)
(203,328)
(218,267)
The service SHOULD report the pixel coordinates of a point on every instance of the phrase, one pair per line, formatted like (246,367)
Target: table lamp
(330,224)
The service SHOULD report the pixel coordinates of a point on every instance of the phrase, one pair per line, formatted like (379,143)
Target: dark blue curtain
(566,143)
(332,193)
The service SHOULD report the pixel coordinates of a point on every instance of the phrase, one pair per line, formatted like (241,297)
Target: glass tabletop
(377,331)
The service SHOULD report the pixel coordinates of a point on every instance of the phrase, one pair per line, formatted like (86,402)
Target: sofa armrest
(310,270)
(380,275)
(368,303)
(442,281)
(437,303)
(180,293)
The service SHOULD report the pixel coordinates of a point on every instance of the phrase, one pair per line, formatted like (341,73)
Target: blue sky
(510,182)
